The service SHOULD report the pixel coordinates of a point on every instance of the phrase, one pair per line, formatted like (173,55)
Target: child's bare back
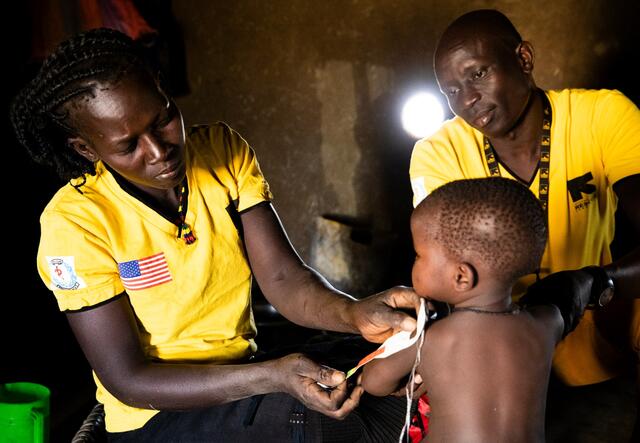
(487,374)
(485,366)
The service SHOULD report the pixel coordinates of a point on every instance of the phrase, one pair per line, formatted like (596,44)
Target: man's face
(485,83)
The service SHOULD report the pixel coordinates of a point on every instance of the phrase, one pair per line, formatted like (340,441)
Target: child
(486,365)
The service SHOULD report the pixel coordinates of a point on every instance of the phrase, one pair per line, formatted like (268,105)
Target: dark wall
(37,344)
(316,88)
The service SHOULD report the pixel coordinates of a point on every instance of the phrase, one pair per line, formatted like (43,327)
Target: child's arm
(383,376)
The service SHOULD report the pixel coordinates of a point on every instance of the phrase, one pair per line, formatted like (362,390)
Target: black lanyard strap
(545,154)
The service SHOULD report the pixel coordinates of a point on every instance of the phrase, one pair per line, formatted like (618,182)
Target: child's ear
(466,277)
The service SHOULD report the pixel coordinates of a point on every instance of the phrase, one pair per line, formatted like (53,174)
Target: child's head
(469,230)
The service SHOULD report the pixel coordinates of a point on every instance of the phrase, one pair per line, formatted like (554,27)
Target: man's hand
(377,317)
(568,290)
(299,377)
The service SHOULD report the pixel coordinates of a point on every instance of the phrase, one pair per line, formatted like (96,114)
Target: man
(577,150)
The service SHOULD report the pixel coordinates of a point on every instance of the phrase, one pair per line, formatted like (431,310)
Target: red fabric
(47,26)
(90,15)
(56,20)
(130,20)
(420,422)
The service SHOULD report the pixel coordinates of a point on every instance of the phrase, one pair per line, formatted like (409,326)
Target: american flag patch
(145,272)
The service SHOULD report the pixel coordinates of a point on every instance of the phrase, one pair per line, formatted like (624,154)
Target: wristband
(602,288)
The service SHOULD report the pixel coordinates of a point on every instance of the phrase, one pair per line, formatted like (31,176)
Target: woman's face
(133,127)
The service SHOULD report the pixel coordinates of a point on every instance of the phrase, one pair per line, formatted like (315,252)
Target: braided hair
(38,113)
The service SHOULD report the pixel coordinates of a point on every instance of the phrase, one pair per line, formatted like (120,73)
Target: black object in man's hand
(570,291)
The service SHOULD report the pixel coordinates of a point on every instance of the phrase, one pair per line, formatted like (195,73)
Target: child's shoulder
(444,333)
(548,317)
(446,330)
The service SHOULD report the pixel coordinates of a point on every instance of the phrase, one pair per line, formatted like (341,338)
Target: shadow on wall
(349,253)
(384,164)
(362,245)
(614,54)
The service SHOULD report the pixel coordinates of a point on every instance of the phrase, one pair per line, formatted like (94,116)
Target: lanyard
(545,154)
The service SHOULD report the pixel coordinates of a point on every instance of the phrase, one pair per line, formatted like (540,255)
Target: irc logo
(580,189)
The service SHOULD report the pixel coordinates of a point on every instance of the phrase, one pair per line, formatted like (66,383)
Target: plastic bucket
(24,413)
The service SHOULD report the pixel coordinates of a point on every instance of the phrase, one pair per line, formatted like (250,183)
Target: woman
(144,251)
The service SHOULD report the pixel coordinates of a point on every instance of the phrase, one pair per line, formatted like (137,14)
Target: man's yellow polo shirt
(595,141)
(192,302)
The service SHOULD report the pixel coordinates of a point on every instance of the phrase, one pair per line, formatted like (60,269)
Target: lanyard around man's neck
(545,154)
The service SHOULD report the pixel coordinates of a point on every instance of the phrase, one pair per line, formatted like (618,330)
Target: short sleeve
(232,162)
(617,120)
(423,179)
(432,165)
(252,186)
(75,263)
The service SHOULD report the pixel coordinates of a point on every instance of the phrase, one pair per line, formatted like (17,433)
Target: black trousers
(279,417)
(273,418)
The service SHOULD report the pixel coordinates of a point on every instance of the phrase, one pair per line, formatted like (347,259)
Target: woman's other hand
(299,376)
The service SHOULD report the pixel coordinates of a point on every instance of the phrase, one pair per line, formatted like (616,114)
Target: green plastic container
(24,413)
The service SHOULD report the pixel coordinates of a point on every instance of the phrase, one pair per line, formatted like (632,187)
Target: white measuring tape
(396,342)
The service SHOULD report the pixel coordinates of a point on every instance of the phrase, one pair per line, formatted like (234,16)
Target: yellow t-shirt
(595,141)
(192,301)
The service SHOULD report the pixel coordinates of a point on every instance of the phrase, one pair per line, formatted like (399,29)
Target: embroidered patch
(419,191)
(144,272)
(63,273)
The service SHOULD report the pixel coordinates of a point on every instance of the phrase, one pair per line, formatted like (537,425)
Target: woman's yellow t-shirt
(192,302)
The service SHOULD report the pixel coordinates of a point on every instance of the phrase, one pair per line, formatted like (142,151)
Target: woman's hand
(299,376)
(378,317)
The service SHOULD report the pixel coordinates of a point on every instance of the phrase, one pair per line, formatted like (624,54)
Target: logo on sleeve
(419,190)
(63,273)
(581,191)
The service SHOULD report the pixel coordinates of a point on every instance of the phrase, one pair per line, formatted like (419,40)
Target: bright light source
(422,115)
